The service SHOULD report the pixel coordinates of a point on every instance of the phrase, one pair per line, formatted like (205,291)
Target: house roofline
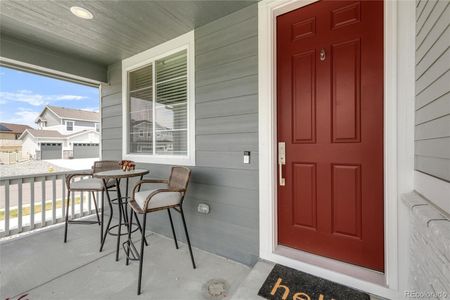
(62,118)
(65,137)
(81,132)
(80,120)
(23,133)
(38,137)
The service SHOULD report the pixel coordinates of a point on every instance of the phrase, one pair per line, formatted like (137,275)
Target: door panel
(305,193)
(330,115)
(51,151)
(85,150)
(346,200)
(346,70)
(303,100)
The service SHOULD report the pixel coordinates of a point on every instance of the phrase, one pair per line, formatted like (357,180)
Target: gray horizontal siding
(231,142)
(227,107)
(440,108)
(226,126)
(241,86)
(432,121)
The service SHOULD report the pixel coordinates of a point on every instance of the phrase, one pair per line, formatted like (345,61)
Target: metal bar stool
(92,185)
(144,202)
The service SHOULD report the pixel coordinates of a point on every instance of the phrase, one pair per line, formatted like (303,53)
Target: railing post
(18,224)
(19,205)
(53,199)
(6,207)
(81,203)
(63,206)
(32,203)
(43,202)
(89,202)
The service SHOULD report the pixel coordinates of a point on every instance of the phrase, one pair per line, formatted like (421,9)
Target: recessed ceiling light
(81,12)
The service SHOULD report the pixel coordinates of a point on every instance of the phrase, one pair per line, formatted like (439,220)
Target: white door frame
(398,113)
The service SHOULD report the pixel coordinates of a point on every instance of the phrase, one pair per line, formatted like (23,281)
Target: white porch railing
(34,201)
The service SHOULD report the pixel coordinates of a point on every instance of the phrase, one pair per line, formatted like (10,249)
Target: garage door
(85,150)
(51,151)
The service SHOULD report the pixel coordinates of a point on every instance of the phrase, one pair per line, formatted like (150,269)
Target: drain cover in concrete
(215,289)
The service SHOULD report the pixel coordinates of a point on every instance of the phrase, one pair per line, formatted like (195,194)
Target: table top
(119,173)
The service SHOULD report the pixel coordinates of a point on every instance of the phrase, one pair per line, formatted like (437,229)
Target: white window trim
(183,42)
(398,159)
(73,125)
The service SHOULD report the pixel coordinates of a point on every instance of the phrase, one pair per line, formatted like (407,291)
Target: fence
(34,201)
(8,158)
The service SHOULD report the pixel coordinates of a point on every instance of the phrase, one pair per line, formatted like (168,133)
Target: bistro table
(117,175)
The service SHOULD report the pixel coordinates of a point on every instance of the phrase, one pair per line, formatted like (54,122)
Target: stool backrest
(179,178)
(105,165)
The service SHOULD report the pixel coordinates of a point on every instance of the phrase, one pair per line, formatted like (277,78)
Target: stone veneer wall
(429,250)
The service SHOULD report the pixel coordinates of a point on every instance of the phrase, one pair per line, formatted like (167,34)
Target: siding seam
(226,28)
(429,174)
(434,119)
(439,77)
(437,98)
(229,115)
(225,63)
(431,28)
(421,12)
(432,64)
(425,22)
(431,47)
(230,44)
(227,98)
(227,80)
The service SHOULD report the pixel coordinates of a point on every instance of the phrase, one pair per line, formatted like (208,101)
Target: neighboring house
(141,139)
(64,133)
(10,131)
(68,120)
(10,146)
(6,133)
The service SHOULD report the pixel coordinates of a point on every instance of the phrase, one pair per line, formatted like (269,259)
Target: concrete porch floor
(42,266)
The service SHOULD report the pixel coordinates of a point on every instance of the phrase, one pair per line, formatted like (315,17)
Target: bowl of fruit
(127,165)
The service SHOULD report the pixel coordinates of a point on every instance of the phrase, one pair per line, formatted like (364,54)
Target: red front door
(330,117)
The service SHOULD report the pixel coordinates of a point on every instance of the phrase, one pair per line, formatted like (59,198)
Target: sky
(24,95)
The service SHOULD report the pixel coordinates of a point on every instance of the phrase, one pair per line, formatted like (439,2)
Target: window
(97,127)
(69,125)
(159,103)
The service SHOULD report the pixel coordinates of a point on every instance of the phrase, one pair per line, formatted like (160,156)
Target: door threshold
(357,277)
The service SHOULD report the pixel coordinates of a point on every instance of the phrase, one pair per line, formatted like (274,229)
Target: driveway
(30,167)
(38,167)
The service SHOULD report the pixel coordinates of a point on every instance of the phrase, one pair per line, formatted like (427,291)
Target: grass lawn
(37,209)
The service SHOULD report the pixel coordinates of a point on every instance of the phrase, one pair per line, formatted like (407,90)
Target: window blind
(168,133)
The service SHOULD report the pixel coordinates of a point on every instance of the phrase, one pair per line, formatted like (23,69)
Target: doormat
(284,283)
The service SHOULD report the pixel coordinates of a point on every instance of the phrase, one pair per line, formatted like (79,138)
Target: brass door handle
(281,162)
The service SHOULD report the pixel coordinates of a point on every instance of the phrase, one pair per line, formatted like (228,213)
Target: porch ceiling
(119,29)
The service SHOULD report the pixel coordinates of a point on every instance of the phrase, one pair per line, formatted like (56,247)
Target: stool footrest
(125,232)
(124,200)
(82,222)
(133,253)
